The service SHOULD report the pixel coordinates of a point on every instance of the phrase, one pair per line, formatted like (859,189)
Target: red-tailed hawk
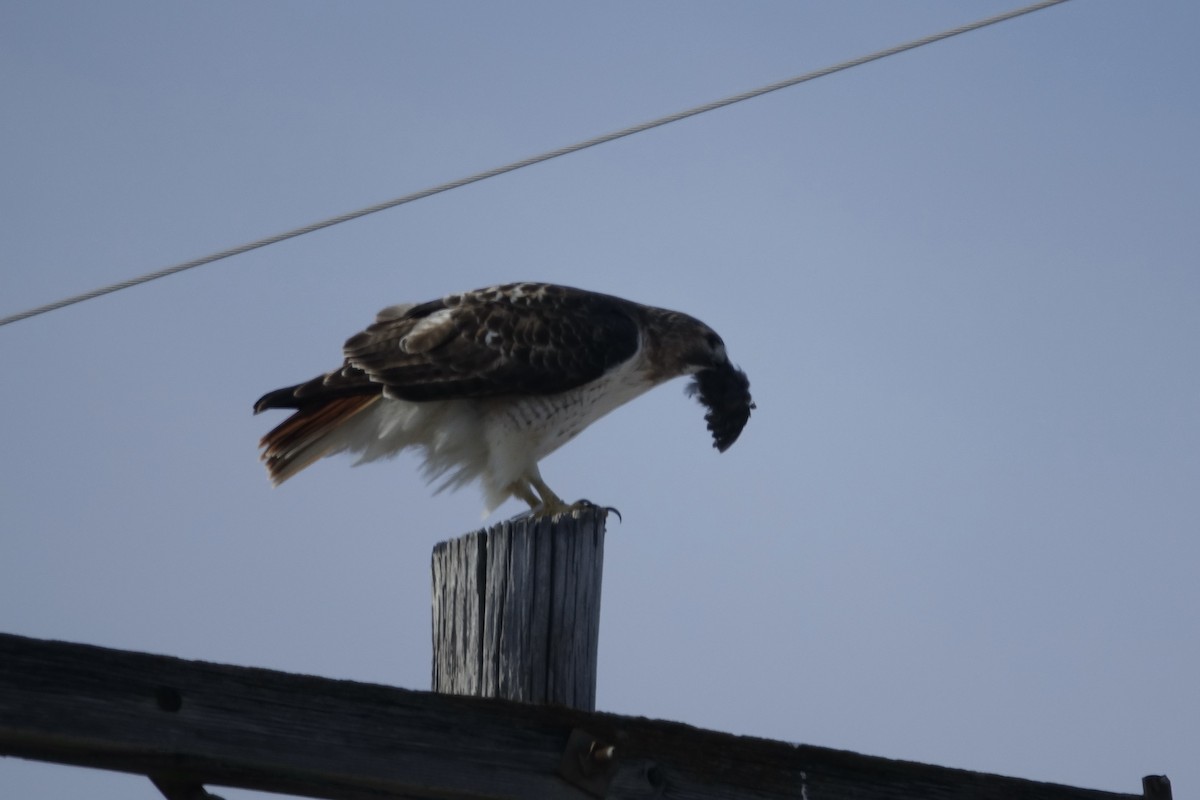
(487,383)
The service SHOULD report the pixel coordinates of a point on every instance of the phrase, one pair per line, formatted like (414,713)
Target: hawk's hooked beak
(725,391)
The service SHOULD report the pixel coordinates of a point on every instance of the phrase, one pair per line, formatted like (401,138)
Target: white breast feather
(522,432)
(493,440)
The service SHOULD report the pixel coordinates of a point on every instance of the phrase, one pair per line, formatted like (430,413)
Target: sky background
(961,527)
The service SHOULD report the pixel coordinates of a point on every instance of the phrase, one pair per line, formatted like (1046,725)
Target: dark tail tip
(280,398)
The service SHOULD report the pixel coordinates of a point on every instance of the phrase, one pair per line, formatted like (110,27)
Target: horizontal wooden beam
(197,723)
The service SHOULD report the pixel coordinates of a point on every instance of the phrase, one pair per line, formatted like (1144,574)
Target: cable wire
(527,162)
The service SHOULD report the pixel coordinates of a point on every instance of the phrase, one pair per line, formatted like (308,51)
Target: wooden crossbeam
(192,724)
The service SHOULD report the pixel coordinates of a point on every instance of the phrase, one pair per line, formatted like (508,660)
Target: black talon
(607,509)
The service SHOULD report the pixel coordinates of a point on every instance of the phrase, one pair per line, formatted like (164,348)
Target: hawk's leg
(550,502)
(542,500)
(521,490)
(545,505)
(553,504)
(549,498)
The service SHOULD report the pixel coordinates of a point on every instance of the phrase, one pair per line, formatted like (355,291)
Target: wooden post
(516,610)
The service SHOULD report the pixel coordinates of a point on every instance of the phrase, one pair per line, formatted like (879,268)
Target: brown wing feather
(513,339)
(346,382)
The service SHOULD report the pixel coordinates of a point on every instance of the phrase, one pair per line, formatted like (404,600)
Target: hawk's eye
(714,341)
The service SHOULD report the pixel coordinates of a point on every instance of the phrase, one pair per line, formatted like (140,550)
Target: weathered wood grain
(516,610)
(211,724)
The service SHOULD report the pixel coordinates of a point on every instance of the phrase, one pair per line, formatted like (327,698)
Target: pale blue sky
(962,526)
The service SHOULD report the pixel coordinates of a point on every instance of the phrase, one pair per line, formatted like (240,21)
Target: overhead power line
(527,162)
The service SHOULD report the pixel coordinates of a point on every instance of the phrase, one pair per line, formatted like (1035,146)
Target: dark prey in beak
(725,391)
